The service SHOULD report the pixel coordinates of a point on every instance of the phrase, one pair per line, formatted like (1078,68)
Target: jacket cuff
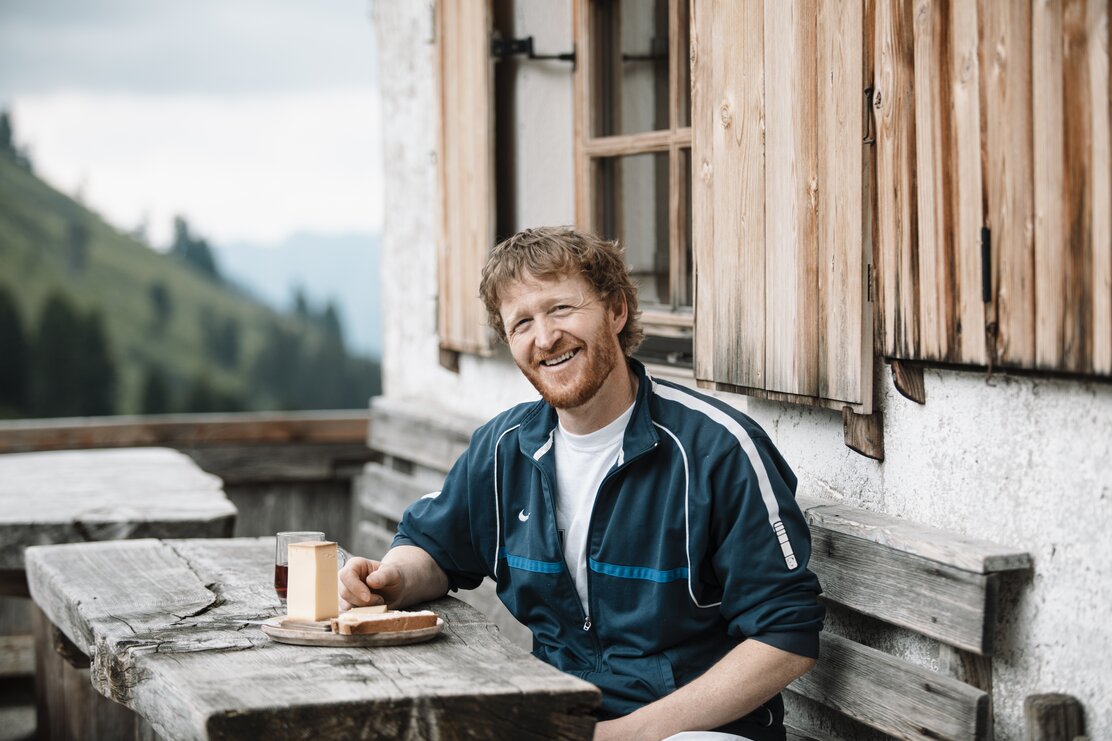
(801,643)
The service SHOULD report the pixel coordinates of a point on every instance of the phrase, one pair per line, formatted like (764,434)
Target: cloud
(245,168)
(200,46)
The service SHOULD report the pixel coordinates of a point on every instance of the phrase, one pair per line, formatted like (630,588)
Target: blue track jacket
(695,544)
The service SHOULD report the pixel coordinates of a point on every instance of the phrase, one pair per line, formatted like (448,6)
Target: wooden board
(953,606)
(181,430)
(932,543)
(781,180)
(893,696)
(415,433)
(386,492)
(295,636)
(76,496)
(173,625)
(465,166)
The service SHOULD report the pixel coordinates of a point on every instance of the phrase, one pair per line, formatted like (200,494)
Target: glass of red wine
(281,556)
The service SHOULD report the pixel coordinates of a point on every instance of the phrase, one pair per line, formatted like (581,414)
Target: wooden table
(83,495)
(171,629)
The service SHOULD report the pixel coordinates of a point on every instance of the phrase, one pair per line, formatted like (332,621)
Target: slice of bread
(382,622)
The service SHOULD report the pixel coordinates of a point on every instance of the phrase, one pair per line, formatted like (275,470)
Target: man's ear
(619,311)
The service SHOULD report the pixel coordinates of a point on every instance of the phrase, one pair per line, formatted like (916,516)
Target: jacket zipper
(590,529)
(587,624)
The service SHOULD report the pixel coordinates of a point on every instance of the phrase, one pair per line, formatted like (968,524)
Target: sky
(255,119)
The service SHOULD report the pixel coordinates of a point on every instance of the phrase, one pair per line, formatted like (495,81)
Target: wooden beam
(891,695)
(935,544)
(908,379)
(180,430)
(864,432)
(948,604)
(419,434)
(1053,717)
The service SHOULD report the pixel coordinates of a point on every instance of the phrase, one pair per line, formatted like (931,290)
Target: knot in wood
(877,99)
(726,114)
(705,171)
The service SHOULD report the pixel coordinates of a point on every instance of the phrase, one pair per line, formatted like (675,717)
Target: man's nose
(547,333)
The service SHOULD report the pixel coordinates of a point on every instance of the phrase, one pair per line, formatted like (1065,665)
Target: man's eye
(521,324)
(561,310)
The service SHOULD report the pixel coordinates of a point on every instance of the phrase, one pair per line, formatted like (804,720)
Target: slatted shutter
(466,171)
(781,192)
(996,114)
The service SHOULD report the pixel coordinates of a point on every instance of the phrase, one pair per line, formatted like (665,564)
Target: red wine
(281,575)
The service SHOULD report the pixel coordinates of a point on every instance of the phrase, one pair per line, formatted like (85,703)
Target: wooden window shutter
(996,115)
(781,191)
(466,171)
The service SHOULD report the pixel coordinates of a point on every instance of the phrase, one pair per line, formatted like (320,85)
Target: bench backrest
(935,583)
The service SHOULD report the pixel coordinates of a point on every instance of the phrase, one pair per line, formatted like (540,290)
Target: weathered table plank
(171,628)
(77,496)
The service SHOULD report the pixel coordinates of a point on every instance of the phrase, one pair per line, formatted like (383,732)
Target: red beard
(597,359)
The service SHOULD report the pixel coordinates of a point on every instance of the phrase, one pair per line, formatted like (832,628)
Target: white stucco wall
(1022,461)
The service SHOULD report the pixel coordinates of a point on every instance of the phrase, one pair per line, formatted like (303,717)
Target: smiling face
(564,338)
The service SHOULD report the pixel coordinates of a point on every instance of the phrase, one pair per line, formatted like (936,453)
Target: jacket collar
(537,429)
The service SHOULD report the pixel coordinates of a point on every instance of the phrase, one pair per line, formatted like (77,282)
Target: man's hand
(367,582)
(405,576)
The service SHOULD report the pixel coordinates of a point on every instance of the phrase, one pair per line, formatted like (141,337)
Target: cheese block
(384,622)
(312,592)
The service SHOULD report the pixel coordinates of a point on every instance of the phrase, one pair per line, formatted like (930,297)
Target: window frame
(672,320)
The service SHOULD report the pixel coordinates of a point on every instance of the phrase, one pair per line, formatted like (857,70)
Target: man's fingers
(353,581)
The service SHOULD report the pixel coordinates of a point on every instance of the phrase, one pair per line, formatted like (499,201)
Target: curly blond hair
(558,251)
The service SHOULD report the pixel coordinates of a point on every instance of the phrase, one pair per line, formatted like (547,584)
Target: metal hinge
(986,264)
(502,48)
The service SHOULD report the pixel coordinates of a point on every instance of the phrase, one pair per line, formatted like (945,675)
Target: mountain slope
(158,312)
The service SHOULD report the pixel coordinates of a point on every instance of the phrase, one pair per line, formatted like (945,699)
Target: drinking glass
(281,556)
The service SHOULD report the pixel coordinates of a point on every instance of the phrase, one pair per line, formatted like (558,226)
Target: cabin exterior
(881,229)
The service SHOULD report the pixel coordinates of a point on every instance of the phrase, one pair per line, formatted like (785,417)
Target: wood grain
(891,695)
(791,200)
(183,430)
(174,641)
(728,191)
(1100,93)
(897,193)
(76,496)
(942,602)
(1006,89)
(843,333)
(933,129)
(410,431)
(944,546)
(466,171)
(908,380)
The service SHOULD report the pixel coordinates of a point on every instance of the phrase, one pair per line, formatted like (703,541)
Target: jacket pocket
(667,676)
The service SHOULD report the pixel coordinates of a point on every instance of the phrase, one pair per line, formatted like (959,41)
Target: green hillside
(160,313)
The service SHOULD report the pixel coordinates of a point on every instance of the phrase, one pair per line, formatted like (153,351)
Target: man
(646,534)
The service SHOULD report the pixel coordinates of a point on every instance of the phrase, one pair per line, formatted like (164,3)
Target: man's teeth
(556,361)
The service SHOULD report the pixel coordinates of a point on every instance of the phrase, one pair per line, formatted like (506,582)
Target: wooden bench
(170,630)
(888,583)
(892,583)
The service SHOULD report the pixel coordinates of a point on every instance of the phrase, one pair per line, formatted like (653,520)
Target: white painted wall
(1020,461)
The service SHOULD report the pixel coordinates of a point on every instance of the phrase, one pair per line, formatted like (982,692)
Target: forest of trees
(57,355)
(62,365)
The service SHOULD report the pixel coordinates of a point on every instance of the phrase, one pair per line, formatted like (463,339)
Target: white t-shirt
(582,462)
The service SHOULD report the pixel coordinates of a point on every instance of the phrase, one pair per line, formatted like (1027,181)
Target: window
(633,155)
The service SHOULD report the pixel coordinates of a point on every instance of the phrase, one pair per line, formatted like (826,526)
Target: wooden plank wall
(466,170)
(781,192)
(996,114)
